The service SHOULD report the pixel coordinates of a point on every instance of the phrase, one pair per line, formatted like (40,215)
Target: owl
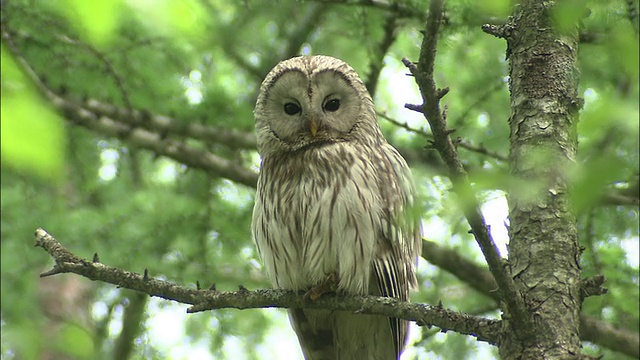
(335,206)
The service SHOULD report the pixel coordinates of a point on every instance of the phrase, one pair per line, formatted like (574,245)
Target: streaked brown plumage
(333,198)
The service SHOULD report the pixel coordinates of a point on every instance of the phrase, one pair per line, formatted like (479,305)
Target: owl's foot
(328,285)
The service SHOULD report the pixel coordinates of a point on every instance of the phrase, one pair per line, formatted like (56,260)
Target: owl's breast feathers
(321,216)
(333,208)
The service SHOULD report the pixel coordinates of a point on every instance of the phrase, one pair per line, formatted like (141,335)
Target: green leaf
(32,133)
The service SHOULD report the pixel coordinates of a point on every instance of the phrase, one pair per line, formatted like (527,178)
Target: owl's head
(311,101)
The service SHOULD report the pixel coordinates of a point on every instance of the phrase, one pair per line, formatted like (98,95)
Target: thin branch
(306,25)
(481,150)
(501,31)
(616,197)
(377,59)
(484,97)
(463,144)
(632,11)
(202,300)
(431,96)
(401,10)
(405,126)
(107,63)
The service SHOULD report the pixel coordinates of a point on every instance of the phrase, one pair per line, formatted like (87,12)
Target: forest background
(170,188)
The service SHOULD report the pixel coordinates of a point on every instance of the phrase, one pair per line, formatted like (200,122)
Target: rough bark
(544,250)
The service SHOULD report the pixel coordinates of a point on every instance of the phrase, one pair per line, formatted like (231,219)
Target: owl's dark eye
(292,108)
(332,105)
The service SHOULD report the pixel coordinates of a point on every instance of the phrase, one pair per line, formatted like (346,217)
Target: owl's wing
(399,243)
(386,270)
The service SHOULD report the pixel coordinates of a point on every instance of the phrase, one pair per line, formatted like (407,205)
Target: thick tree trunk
(544,250)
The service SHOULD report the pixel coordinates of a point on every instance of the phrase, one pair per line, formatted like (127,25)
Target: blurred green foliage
(32,134)
(202,61)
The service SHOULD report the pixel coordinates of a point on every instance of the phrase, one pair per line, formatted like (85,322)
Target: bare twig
(107,63)
(397,8)
(177,150)
(462,144)
(377,59)
(480,100)
(501,31)
(431,96)
(632,11)
(203,300)
(405,126)
(309,21)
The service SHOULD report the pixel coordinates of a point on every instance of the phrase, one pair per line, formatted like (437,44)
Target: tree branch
(231,138)
(431,96)
(632,11)
(101,57)
(177,150)
(463,144)
(312,16)
(402,11)
(603,333)
(591,329)
(156,142)
(132,318)
(594,330)
(377,59)
(202,300)
(593,286)
(484,97)
(619,197)
(478,277)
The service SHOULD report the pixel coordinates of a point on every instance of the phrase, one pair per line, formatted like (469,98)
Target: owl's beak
(313,126)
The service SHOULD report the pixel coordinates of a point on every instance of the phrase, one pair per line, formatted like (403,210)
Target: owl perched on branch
(335,206)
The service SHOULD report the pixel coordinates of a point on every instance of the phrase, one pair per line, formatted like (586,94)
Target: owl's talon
(327,286)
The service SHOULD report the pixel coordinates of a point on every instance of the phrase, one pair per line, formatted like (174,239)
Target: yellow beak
(313,127)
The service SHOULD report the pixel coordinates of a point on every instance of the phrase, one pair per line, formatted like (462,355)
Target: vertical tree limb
(442,142)
(543,246)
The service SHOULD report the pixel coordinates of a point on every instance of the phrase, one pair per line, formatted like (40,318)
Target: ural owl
(334,206)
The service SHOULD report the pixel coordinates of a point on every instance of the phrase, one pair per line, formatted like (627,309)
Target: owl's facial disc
(309,107)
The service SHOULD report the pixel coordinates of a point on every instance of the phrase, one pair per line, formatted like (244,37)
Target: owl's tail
(339,335)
